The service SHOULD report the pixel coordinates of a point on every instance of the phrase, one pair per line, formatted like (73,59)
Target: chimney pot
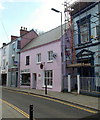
(4,44)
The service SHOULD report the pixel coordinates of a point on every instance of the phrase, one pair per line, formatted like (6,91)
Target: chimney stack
(23,31)
(13,37)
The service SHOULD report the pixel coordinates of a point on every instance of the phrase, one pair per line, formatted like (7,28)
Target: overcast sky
(32,14)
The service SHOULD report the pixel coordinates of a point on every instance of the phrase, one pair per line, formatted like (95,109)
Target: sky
(32,14)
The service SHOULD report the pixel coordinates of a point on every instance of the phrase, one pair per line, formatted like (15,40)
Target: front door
(34,80)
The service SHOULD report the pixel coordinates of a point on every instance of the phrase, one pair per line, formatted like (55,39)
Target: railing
(90,84)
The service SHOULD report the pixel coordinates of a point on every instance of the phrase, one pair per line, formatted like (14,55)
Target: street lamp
(61,19)
(62,46)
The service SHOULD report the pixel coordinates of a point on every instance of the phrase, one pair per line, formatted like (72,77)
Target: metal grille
(90,84)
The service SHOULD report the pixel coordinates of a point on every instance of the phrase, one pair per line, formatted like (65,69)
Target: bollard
(46,89)
(31,112)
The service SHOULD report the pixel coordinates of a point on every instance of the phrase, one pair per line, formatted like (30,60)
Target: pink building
(40,62)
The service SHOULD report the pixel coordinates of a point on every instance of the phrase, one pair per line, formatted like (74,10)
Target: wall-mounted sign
(25,71)
(12,69)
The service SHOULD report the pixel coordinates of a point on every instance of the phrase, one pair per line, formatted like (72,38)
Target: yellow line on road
(68,104)
(65,103)
(16,108)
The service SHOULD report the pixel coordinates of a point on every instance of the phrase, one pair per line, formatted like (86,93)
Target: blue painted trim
(83,19)
(79,37)
(92,63)
(88,45)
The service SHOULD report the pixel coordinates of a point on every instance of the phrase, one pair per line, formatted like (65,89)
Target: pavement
(78,99)
(8,112)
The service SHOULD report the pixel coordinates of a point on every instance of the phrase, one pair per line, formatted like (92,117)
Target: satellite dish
(41,66)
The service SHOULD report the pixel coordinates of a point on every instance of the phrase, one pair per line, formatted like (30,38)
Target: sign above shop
(25,71)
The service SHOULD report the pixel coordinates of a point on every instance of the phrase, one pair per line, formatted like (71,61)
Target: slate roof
(45,38)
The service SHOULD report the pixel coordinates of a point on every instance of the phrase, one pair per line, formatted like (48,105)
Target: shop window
(25,79)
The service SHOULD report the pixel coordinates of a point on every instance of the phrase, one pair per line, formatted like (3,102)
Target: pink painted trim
(41,45)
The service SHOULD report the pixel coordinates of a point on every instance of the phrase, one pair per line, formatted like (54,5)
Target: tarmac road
(44,108)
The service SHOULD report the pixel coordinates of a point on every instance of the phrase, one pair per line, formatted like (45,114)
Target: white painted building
(4,63)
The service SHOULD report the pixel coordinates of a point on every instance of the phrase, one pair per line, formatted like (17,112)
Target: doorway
(34,80)
(4,79)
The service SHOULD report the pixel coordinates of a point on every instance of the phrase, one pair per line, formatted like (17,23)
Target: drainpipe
(19,71)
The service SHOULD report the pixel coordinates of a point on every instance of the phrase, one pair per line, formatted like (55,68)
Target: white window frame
(84,32)
(50,56)
(38,58)
(49,78)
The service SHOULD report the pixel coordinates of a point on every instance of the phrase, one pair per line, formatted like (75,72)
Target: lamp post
(62,47)
(61,19)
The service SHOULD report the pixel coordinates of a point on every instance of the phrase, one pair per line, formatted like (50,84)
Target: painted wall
(5,57)
(35,68)
(94,22)
(92,12)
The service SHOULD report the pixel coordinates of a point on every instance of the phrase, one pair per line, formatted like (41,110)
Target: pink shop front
(25,78)
(31,74)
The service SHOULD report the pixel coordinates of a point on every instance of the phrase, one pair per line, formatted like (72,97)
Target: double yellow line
(61,102)
(16,108)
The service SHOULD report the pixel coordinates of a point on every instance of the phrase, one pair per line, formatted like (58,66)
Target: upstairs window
(13,47)
(13,60)
(18,44)
(27,60)
(84,30)
(50,55)
(39,58)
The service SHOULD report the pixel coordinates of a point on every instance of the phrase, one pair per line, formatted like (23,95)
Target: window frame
(38,58)
(13,47)
(27,61)
(83,21)
(50,56)
(48,78)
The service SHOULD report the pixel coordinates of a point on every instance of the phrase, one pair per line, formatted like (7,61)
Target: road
(43,108)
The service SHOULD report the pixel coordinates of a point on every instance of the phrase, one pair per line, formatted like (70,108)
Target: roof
(18,37)
(80,6)
(45,38)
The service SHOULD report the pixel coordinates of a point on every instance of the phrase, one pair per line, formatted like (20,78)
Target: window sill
(49,87)
(27,64)
(85,43)
(51,61)
(38,63)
